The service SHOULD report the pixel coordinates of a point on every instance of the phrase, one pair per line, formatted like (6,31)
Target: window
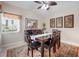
(10,22)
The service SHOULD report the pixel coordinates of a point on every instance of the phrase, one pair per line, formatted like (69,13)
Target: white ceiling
(32,6)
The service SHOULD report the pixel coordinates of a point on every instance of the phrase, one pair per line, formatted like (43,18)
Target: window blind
(12,16)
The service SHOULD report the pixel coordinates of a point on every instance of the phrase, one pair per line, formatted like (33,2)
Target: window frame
(2,16)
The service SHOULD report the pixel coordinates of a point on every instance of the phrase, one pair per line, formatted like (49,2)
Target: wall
(68,35)
(9,39)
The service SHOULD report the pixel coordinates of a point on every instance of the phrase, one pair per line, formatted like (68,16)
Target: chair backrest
(56,33)
(28,33)
(33,32)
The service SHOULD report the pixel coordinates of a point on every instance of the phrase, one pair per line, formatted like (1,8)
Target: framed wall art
(31,24)
(59,22)
(52,23)
(69,21)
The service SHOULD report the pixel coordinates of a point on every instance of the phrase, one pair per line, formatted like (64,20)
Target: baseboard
(20,43)
(71,43)
(14,44)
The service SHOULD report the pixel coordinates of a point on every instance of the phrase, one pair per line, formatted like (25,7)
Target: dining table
(41,38)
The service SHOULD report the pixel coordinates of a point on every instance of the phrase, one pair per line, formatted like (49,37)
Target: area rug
(64,51)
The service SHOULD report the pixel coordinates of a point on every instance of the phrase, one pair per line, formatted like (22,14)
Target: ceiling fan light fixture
(45,6)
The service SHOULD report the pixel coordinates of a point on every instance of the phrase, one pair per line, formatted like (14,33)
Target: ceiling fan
(45,4)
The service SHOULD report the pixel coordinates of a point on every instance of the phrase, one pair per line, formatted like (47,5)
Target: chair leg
(32,52)
(42,52)
(54,48)
(42,49)
(58,44)
(49,51)
(28,51)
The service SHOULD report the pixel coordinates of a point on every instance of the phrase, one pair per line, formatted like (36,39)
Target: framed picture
(52,23)
(31,24)
(69,21)
(59,22)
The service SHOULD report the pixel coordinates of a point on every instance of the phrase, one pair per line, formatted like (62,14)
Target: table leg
(32,52)
(42,49)
(50,49)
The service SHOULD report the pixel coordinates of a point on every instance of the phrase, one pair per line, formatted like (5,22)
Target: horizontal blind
(12,16)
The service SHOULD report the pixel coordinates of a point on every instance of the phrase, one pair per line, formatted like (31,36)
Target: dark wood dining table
(42,38)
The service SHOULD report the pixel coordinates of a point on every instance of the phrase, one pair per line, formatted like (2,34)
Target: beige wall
(69,35)
(9,39)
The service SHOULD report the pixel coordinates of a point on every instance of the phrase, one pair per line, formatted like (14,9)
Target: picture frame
(31,24)
(59,22)
(69,21)
(52,23)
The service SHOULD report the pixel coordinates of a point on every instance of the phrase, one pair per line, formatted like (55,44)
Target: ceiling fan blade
(44,2)
(39,2)
(39,7)
(51,3)
(48,8)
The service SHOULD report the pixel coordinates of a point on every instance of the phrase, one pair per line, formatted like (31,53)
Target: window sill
(10,32)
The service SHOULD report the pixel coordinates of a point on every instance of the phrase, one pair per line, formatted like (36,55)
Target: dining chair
(31,43)
(52,42)
(49,46)
(56,39)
